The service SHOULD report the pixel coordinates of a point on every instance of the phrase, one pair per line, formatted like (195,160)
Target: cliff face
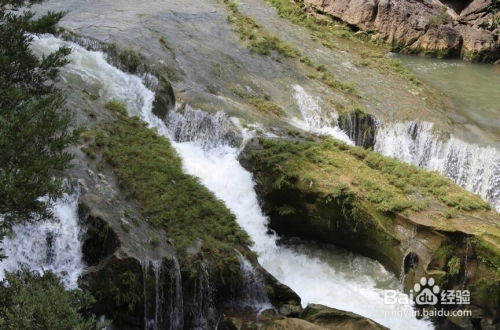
(468,29)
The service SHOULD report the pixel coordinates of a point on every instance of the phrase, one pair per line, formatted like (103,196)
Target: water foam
(52,245)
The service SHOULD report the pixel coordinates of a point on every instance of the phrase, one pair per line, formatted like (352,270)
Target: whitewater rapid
(319,275)
(53,245)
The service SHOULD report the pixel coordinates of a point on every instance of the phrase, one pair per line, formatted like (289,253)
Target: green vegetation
(150,170)
(330,34)
(259,40)
(127,290)
(440,18)
(34,127)
(389,185)
(262,103)
(32,301)
(454,266)
(128,59)
(265,43)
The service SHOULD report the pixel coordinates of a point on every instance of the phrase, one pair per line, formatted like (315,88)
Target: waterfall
(53,245)
(159,294)
(175,308)
(473,167)
(324,275)
(318,275)
(192,125)
(253,292)
(202,304)
(167,300)
(314,119)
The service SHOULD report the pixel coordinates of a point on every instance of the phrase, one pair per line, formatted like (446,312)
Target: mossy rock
(379,207)
(331,318)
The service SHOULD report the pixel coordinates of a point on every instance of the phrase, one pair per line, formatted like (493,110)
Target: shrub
(32,301)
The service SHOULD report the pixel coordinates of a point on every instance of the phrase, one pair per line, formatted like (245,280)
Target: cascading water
(175,306)
(473,167)
(201,306)
(53,245)
(318,274)
(253,287)
(314,120)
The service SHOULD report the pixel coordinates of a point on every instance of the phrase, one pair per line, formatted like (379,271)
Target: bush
(32,301)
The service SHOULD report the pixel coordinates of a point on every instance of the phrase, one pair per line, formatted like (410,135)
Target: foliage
(390,185)
(33,301)
(127,290)
(454,266)
(34,128)
(149,168)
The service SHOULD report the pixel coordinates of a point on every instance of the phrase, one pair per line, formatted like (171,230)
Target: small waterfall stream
(473,167)
(164,310)
(314,119)
(318,274)
(54,245)
(253,293)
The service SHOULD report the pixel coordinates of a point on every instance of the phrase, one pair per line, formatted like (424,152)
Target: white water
(314,119)
(475,168)
(52,245)
(327,276)
(253,293)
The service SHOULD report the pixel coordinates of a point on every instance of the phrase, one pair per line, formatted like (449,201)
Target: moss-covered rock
(415,222)
(331,318)
(360,126)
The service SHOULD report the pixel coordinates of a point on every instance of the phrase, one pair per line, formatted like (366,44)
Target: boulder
(478,45)
(331,318)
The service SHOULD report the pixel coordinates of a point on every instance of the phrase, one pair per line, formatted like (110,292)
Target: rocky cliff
(467,29)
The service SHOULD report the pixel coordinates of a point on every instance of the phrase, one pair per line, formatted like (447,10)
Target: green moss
(129,59)
(150,170)
(127,290)
(261,103)
(454,266)
(116,106)
(258,39)
(391,186)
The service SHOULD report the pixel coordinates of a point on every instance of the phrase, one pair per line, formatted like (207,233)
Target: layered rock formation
(468,29)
